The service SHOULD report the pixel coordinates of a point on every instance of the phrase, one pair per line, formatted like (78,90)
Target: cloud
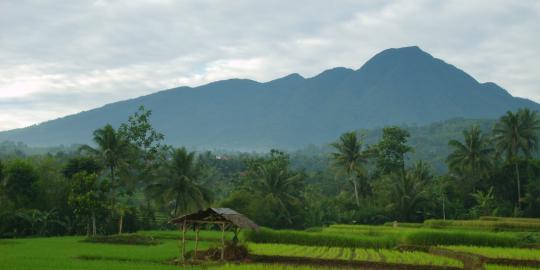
(61,57)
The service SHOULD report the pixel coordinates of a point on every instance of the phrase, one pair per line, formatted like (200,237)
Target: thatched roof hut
(217,216)
(226,218)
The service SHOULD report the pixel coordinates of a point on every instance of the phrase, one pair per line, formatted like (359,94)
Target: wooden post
(184,241)
(222,241)
(196,239)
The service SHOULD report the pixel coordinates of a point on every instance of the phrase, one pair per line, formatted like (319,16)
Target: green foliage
(500,224)
(485,203)
(472,158)
(87,196)
(180,185)
(1,173)
(319,239)
(140,132)
(517,133)
(81,164)
(270,192)
(20,183)
(351,159)
(391,150)
(439,237)
(127,239)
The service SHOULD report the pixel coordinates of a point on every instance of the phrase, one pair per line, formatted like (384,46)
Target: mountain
(396,86)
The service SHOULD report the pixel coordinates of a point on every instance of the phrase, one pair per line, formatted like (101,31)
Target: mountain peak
(408,63)
(291,78)
(412,53)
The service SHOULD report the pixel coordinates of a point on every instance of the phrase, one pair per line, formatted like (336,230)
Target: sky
(62,57)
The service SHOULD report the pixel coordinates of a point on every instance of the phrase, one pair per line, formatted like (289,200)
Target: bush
(404,224)
(488,223)
(434,238)
(319,239)
(127,239)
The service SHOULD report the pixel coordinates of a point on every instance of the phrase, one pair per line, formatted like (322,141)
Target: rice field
(508,267)
(338,246)
(367,255)
(500,253)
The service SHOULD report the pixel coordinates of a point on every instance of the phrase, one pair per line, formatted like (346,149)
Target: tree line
(129,179)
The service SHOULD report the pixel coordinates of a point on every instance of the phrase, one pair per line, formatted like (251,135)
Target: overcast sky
(62,57)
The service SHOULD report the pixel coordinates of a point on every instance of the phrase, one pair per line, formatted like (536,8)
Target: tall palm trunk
(88,228)
(121,223)
(518,181)
(356,192)
(518,184)
(176,204)
(94,223)
(113,190)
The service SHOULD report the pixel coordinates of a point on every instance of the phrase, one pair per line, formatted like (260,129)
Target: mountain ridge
(396,86)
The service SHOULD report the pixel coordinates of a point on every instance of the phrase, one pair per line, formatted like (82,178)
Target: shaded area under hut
(225,218)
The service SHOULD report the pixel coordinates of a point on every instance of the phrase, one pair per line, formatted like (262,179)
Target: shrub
(319,238)
(127,239)
(469,238)
(404,225)
(489,223)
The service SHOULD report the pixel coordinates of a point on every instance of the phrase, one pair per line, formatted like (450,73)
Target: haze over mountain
(396,86)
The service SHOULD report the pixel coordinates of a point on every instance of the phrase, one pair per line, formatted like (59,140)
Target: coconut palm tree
(473,155)
(517,133)
(112,149)
(408,190)
(278,187)
(349,156)
(180,185)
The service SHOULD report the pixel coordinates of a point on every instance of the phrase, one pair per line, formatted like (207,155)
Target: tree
(148,153)
(140,133)
(112,150)
(86,197)
(408,192)
(277,187)
(484,203)
(125,205)
(473,155)
(349,156)
(517,133)
(20,181)
(180,184)
(1,173)
(391,150)
(81,164)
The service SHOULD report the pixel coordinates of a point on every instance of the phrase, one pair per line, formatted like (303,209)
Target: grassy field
(66,253)
(336,243)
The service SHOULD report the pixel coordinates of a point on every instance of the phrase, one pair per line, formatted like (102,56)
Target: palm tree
(473,155)
(180,185)
(112,149)
(517,133)
(278,187)
(350,157)
(408,190)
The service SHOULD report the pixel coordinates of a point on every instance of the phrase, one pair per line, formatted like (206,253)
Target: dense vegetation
(130,180)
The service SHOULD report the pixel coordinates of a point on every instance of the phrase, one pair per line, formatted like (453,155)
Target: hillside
(396,86)
(430,143)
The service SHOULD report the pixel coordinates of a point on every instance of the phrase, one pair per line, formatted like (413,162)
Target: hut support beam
(196,239)
(222,241)
(184,241)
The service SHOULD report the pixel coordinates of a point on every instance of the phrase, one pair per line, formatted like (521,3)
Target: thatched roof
(216,215)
